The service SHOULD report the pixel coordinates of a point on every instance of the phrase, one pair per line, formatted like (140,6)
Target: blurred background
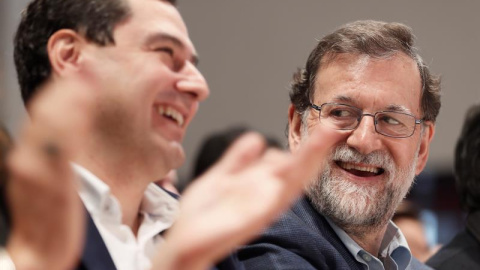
(249,50)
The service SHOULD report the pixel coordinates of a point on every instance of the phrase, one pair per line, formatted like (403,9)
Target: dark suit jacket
(301,239)
(95,255)
(463,252)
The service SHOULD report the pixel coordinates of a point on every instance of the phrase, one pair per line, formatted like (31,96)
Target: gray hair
(375,39)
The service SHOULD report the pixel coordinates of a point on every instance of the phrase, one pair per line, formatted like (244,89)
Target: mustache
(381,159)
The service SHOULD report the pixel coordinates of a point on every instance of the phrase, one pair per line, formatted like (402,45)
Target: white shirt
(128,252)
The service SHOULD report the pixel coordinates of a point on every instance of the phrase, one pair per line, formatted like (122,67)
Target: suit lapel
(95,254)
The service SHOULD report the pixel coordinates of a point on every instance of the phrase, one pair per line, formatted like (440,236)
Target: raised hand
(238,197)
(48,220)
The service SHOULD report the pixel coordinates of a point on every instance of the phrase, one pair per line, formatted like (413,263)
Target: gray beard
(356,207)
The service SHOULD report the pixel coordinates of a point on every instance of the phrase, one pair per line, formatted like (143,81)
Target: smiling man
(137,59)
(366,82)
(111,86)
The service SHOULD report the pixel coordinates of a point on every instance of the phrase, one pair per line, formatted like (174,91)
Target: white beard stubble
(360,207)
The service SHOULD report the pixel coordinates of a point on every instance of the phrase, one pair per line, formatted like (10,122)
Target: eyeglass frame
(360,117)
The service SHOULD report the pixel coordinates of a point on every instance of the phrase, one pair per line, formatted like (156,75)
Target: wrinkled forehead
(359,61)
(393,79)
(395,66)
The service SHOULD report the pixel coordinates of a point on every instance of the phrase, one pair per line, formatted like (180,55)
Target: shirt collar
(393,245)
(99,201)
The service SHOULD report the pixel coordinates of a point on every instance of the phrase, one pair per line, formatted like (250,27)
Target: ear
(427,136)
(294,128)
(64,48)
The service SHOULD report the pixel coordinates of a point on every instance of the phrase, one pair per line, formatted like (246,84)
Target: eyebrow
(398,108)
(163,37)
(391,107)
(342,98)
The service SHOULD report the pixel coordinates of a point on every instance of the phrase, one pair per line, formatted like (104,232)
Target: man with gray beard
(367,82)
(352,205)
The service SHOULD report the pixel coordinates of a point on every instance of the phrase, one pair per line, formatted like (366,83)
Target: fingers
(35,155)
(245,150)
(62,114)
(310,158)
(41,190)
(273,157)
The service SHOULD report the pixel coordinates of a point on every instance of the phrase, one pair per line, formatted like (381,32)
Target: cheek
(403,153)
(148,84)
(311,122)
(193,112)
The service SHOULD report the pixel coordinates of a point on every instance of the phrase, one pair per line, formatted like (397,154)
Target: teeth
(350,166)
(172,113)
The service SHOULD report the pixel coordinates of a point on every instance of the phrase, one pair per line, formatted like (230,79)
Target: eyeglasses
(346,117)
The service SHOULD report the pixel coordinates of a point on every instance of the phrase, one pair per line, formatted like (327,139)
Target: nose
(364,138)
(192,81)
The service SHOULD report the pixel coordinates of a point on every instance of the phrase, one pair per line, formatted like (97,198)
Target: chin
(175,156)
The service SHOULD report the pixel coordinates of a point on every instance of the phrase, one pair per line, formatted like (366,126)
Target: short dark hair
(372,38)
(215,144)
(95,19)
(467,161)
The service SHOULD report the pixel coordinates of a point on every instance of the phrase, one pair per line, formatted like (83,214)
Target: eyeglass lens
(345,117)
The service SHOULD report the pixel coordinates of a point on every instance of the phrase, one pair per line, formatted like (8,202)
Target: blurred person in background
(214,145)
(463,251)
(408,219)
(5,145)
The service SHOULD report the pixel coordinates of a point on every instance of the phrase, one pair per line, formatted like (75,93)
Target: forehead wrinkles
(340,67)
(355,72)
(357,68)
(356,65)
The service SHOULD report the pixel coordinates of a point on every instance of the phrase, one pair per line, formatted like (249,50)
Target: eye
(167,50)
(390,120)
(341,113)
(171,58)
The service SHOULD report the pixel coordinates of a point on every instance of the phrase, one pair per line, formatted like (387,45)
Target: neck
(127,177)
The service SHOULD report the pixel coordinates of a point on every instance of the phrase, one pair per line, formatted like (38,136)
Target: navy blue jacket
(301,239)
(95,255)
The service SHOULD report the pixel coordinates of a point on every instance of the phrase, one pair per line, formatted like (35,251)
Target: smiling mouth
(171,114)
(360,170)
